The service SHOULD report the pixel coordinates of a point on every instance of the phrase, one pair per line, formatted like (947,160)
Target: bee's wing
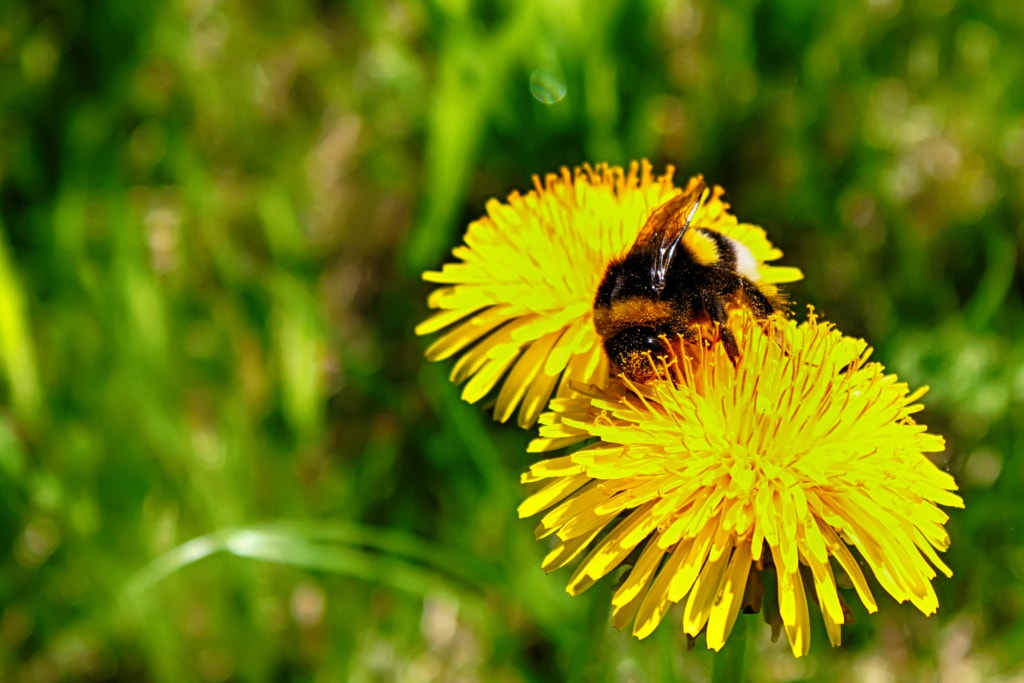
(666,226)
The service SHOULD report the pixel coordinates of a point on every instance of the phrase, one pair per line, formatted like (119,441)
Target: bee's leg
(761,307)
(758,302)
(717,313)
(732,349)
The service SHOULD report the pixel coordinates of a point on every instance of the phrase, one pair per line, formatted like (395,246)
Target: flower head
(517,306)
(714,475)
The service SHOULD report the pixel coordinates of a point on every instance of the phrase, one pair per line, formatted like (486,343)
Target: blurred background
(222,454)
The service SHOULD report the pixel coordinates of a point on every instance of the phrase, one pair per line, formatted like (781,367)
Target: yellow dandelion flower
(518,304)
(780,463)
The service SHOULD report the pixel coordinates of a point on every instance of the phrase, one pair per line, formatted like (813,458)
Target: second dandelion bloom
(517,308)
(717,475)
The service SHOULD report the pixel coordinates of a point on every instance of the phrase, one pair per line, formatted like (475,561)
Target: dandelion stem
(729,663)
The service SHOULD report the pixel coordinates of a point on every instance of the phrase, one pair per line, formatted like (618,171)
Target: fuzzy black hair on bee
(664,287)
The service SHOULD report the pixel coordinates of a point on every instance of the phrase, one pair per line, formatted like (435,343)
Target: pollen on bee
(639,366)
(610,320)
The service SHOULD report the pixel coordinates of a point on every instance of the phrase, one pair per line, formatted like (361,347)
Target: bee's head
(634,348)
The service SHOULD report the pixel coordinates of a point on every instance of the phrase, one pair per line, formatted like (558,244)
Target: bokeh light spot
(547,86)
(983,467)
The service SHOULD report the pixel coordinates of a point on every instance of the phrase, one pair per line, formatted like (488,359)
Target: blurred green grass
(222,456)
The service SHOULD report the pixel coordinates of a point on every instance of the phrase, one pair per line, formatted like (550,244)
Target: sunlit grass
(222,456)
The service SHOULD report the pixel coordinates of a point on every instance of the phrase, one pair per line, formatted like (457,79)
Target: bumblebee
(665,287)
